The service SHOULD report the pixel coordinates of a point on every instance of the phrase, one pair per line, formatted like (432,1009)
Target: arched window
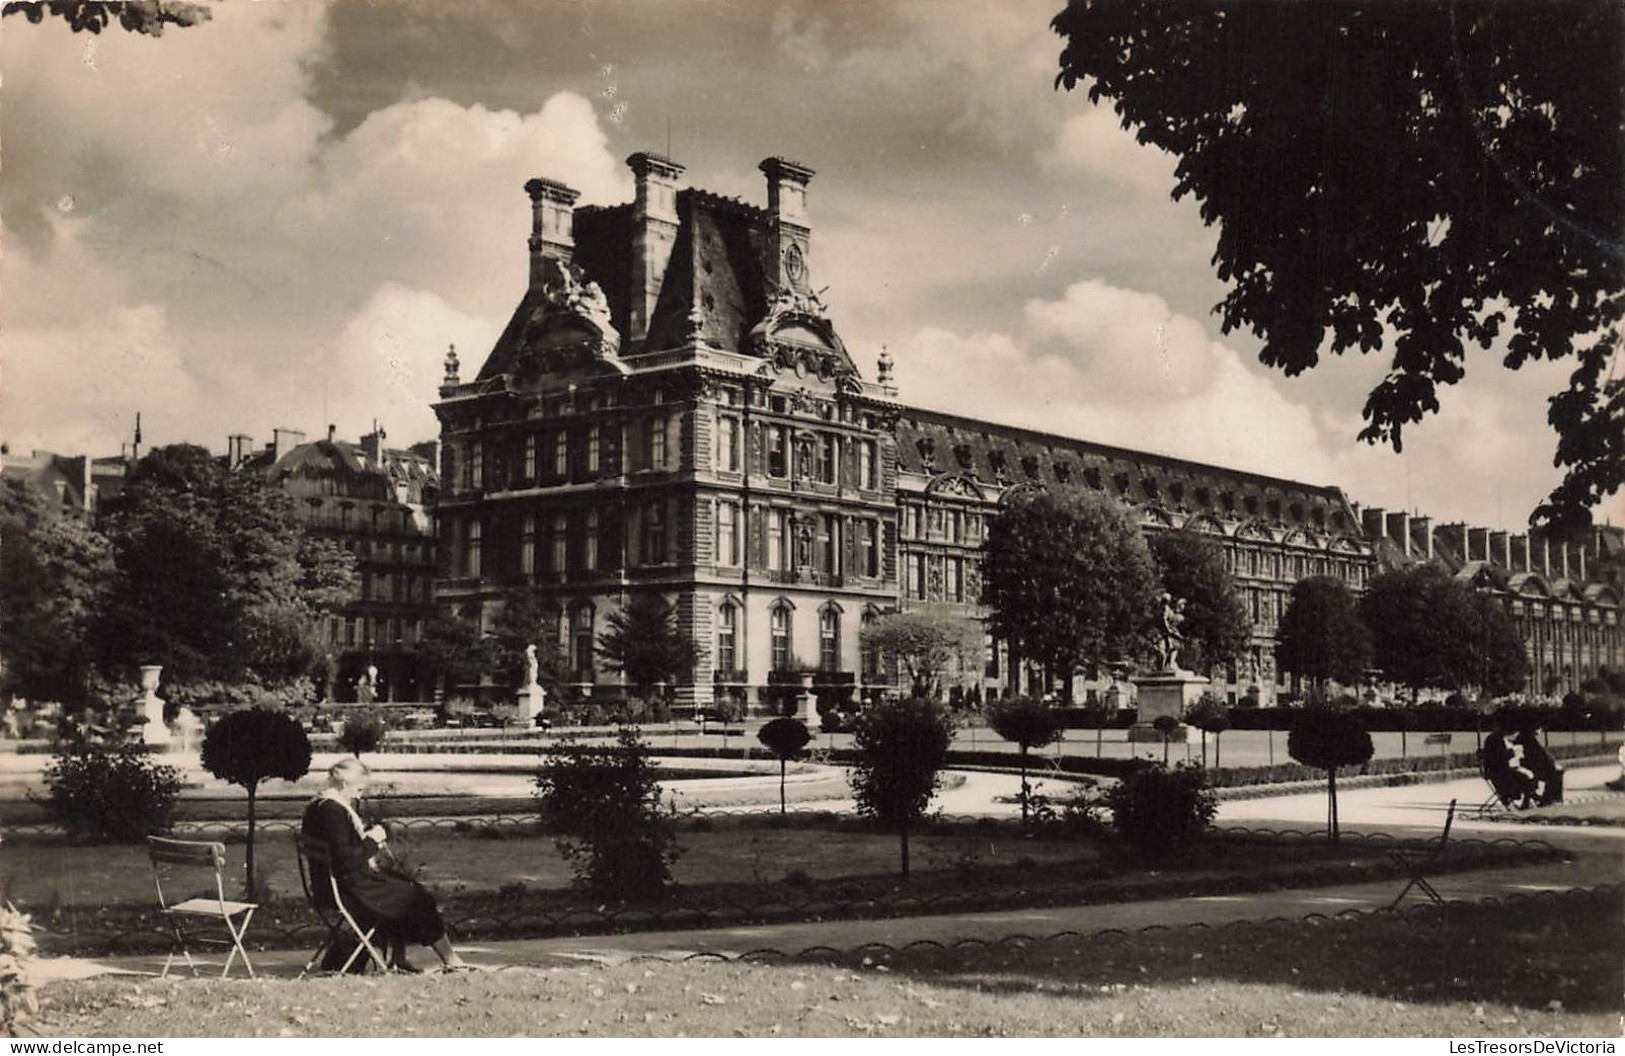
(869,655)
(728,637)
(780,626)
(829,639)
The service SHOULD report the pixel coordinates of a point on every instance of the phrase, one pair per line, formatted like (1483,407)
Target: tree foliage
(1422,623)
(117,793)
(54,580)
(901,746)
(526,618)
(1402,179)
(926,644)
(1069,581)
(1328,739)
(93,16)
(252,745)
(1321,636)
(362,732)
(216,580)
(1216,627)
(1160,813)
(1504,662)
(644,642)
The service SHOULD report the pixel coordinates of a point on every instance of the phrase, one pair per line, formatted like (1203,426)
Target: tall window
(829,639)
(654,535)
(728,444)
(728,637)
(916,575)
(777,538)
(589,543)
(559,558)
(727,534)
(592,450)
(471,549)
(527,545)
(956,579)
(869,547)
(868,471)
(954,517)
(777,452)
(476,465)
(828,454)
(561,453)
(530,457)
(826,540)
(657,443)
(581,641)
(781,637)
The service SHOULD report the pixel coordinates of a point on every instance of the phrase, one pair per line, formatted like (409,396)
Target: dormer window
(1063,472)
(1120,480)
(1091,477)
(963,455)
(1203,496)
(1176,492)
(928,450)
(995,459)
(1029,466)
(1149,488)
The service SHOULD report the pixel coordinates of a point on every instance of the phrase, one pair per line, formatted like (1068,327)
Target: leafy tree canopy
(1406,179)
(54,580)
(927,644)
(215,577)
(1321,635)
(1422,623)
(1025,722)
(1216,627)
(93,16)
(901,746)
(784,737)
(1069,580)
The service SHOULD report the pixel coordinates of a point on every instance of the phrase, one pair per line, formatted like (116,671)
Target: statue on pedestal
(153,729)
(1173,614)
(532,697)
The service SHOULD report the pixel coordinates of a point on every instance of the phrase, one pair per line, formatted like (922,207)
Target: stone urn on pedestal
(1170,690)
(153,729)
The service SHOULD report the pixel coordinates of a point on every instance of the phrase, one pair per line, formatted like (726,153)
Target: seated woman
(1548,776)
(401,908)
(1501,759)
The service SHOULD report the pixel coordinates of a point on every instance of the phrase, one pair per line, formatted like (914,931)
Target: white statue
(532,668)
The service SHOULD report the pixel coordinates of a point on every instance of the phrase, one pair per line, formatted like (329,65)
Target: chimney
(1454,538)
(1528,556)
(430,451)
(1422,532)
(237,448)
(283,441)
(552,242)
(372,445)
(1371,521)
(1563,556)
(654,232)
(1478,544)
(1398,526)
(332,432)
(1580,552)
(787,202)
(1545,557)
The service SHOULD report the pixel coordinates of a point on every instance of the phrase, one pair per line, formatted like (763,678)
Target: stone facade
(378,502)
(672,410)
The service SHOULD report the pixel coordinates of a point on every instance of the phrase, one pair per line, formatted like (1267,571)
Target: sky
(283,216)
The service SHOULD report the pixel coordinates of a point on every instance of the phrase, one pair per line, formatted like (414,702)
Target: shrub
(110,793)
(899,749)
(785,738)
(1326,740)
(362,733)
(1028,724)
(1160,813)
(604,806)
(17,1003)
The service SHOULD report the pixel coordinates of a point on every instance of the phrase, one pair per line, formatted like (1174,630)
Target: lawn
(1537,968)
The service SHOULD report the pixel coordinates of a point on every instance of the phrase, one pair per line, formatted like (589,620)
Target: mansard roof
(344,469)
(933,442)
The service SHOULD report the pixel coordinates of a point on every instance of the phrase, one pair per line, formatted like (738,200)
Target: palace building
(671,409)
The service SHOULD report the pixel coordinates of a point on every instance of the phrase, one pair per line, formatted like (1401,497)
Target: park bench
(194,917)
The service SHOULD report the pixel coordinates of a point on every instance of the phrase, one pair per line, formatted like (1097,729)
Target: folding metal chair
(330,909)
(168,857)
(1418,862)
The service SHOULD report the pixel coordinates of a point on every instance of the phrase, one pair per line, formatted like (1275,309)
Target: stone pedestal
(532,702)
(153,729)
(1164,693)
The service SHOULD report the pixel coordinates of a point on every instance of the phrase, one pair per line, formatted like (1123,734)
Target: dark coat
(373,896)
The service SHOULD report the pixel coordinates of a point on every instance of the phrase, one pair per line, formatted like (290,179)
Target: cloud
(1094,143)
(1117,366)
(186,236)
